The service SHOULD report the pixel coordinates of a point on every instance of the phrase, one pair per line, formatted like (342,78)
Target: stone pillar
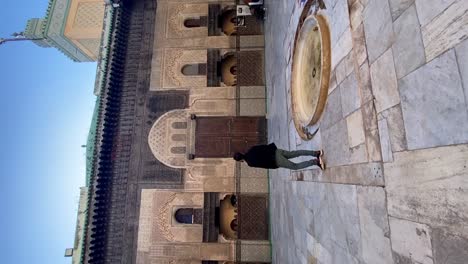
(252,101)
(211,175)
(253,180)
(257,41)
(255,251)
(217,251)
(213,101)
(193,251)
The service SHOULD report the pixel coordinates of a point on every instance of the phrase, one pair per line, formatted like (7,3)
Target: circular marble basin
(310,72)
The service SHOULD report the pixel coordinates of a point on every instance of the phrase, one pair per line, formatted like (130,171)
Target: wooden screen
(253,217)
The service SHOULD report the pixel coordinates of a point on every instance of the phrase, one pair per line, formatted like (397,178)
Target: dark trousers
(282,158)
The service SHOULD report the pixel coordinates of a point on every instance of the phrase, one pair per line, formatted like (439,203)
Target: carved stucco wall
(170,28)
(157,223)
(170,33)
(173,261)
(178,13)
(174,132)
(168,138)
(175,60)
(213,101)
(183,253)
(205,100)
(159,242)
(162,240)
(171,37)
(175,129)
(174,47)
(211,175)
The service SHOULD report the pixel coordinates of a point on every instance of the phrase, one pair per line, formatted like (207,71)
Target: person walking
(271,157)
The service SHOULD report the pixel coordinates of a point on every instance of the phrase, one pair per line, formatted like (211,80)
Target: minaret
(74,27)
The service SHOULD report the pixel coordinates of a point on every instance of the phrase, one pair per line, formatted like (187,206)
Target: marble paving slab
(433,104)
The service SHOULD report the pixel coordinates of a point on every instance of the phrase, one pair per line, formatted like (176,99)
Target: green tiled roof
(101,76)
(91,142)
(101,70)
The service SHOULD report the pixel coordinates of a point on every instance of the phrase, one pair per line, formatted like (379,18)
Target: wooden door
(221,137)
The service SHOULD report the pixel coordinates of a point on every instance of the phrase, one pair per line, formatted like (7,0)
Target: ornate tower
(72,26)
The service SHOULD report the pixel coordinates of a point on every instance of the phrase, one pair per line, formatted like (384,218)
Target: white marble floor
(395,134)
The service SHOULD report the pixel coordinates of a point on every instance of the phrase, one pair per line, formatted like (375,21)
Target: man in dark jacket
(271,157)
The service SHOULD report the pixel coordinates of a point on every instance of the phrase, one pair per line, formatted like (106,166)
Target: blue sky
(46,107)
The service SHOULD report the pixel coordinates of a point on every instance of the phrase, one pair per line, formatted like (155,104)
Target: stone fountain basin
(310,72)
